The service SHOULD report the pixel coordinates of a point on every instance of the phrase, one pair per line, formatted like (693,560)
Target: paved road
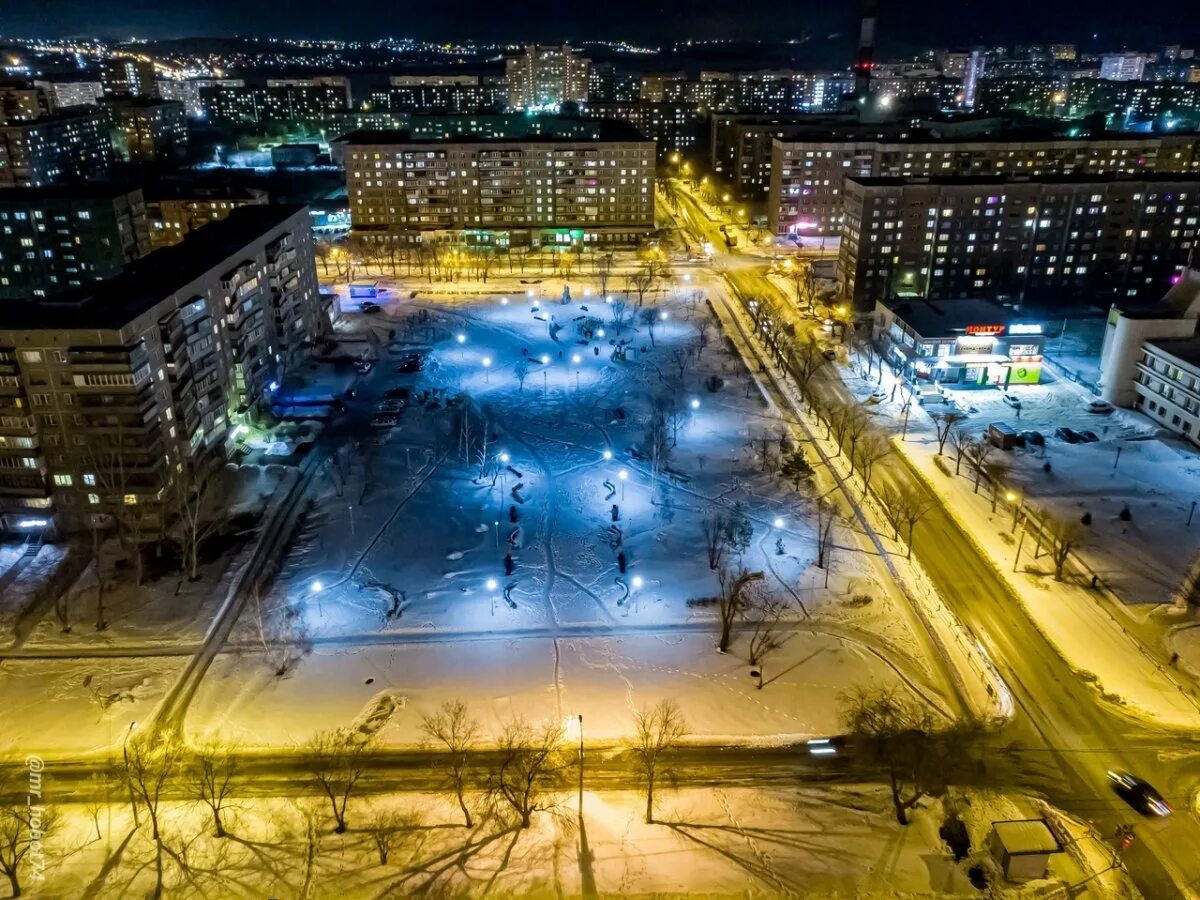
(1061,721)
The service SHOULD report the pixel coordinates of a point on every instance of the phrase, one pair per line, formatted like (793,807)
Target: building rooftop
(936,318)
(1185,350)
(81,191)
(114,303)
(596,130)
(66,114)
(1022,836)
(1001,180)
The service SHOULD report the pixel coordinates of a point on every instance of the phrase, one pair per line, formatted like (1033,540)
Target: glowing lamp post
(487,368)
(622,476)
(491,584)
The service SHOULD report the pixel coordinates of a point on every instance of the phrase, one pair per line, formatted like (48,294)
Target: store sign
(1024,328)
(985,330)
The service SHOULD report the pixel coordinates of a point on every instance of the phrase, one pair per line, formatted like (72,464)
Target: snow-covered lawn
(813,842)
(77,707)
(408,535)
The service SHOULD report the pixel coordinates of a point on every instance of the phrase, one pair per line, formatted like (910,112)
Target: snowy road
(1061,718)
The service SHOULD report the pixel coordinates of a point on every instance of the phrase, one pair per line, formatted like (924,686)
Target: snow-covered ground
(399,575)
(1142,561)
(813,842)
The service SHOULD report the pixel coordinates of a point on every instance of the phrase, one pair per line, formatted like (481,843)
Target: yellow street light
(674,157)
(724,198)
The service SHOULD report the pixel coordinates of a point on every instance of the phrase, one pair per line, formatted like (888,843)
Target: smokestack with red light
(865,60)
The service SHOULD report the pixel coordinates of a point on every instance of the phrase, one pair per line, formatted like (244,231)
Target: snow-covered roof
(1026,836)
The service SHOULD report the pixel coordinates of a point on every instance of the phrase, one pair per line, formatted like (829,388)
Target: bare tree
(25,828)
(683,356)
(212,777)
(649,318)
(961,440)
(826,518)
(898,732)
(979,453)
(944,423)
(521,371)
(640,282)
(1064,535)
(196,516)
(806,360)
(283,634)
(453,727)
(904,506)
(336,762)
(151,766)
(604,268)
(620,315)
(530,766)
(766,613)
(870,449)
(657,731)
(716,536)
(387,828)
(733,601)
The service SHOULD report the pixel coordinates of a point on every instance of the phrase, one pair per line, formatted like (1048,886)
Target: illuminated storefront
(967,342)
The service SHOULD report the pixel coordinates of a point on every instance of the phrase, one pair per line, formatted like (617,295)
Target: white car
(1012,400)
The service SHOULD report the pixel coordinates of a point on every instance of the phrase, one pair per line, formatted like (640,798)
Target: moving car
(1070,435)
(1099,407)
(1035,438)
(369,307)
(1138,793)
(1012,400)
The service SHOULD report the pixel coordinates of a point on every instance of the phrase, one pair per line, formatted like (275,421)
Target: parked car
(396,393)
(1069,435)
(1138,793)
(391,406)
(370,307)
(1036,438)
(1012,400)
(384,420)
(1090,436)
(363,366)
(1099,407)
(411,363)
(829,354)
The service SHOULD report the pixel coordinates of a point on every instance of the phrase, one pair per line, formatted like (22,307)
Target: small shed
(1023,848)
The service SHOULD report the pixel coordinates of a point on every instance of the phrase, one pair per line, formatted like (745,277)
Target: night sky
(903,23)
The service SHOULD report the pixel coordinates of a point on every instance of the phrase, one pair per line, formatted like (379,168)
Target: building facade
(172,213)
(807,174)
(128,75)
(546,77)
(1054,239)
(529,190)
(148,131)
(68,145)
(674,127)
(963,341)
(62,94)
(56,239)
(107,396)
(259,104)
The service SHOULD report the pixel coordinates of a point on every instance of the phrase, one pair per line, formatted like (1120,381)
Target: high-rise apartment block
(1123,66)
(532,189)
(807,174)
(110,395)
(1052,238)
(175,211)
(55,239)
(543,77)
(70,92)
(285,102)
(148,130)
(129,75)
(68,145)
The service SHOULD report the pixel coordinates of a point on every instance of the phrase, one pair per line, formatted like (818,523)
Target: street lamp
(1017,501)
(623,476)
(316,587)
(778,523)
(607,454)
(637,582)
(487,366)
(504,458)
(695,404)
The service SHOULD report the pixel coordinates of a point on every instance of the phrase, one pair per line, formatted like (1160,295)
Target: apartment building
(70,92)
(67,145)
(534,189)
(55,239)
(107,393)
(807,172)
(441,95)
(259,104)
(1049,238)
(544,76)
(22,102)
(147,130)
(674,127)
(175,211)
(128,75)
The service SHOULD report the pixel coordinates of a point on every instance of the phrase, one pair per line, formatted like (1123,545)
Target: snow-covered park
(524,524)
